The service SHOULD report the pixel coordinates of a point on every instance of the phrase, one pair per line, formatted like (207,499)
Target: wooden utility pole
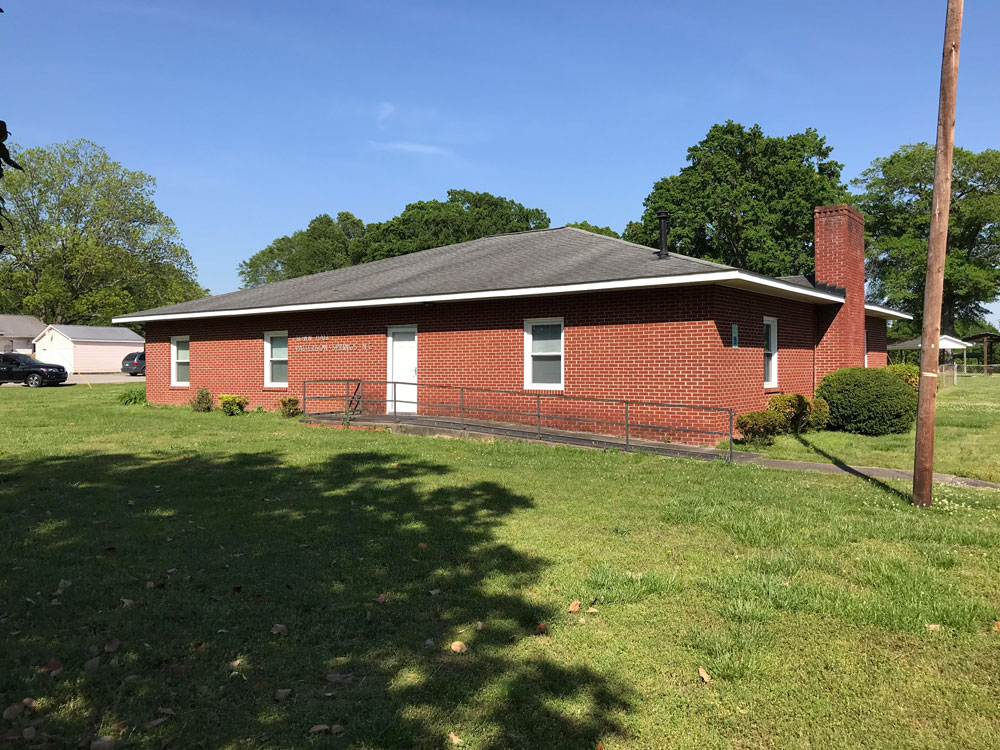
(923,456)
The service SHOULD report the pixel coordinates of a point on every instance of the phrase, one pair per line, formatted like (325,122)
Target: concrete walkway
(484,430)
(865,472)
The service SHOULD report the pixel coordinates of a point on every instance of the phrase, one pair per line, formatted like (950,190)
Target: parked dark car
(20,368)
(135,363)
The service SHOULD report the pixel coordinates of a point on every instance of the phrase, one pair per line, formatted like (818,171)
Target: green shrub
(819,415)
(868,402)
(794,409)
(290,407)
(203,401)
(909,374)
(760,427)
(233,406)
(133,396)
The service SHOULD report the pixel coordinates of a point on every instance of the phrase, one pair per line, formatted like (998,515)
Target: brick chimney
(840,261)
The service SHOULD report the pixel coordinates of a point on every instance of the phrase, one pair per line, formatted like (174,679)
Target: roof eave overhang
(731,278)
(877,311)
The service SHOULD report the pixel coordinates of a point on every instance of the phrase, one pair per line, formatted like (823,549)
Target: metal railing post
(304,397)
(730,435)
(538,413)
(628,445)
(395,417)
(361,396)
(347,399)
(461,406)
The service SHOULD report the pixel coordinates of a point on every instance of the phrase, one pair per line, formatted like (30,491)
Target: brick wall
(875,331)
(840,260)
(653,345)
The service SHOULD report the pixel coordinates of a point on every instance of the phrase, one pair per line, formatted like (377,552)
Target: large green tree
(896,202)
(322,246)
(85,241)
(745,199)
(464,216)
(606,231)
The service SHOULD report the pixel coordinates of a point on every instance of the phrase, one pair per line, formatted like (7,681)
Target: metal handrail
(357,399)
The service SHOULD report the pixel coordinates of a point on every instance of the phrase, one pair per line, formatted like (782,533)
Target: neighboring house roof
(112,334)
(563,260)
(20,326)
(946,342)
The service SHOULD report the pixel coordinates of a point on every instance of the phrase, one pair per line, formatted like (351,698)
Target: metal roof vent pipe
(664,218)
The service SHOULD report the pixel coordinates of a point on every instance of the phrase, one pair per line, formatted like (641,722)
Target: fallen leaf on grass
(574,606)
(150,584)
(422,545)
(53,668)
(112,645)
(935,626)
(336,730)
(705,677)
(380,599)
(592,611)
(319,728)
(235,663)
(280,695)
(479,625)
(279,630)
(542,628)
(127,602)
(996,627)
(156,722)
(167,711)
(455,739)
(339,678)
(459,648)
(91,664)
(434,592)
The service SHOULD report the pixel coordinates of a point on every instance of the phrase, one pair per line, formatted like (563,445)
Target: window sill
(180,386)
(276,387)
(532,387)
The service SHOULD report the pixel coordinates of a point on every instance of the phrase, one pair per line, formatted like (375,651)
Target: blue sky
(256,116)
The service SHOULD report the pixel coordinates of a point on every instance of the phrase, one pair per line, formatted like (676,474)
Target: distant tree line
(82,239)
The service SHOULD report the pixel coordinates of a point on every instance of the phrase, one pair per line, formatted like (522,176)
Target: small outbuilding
(17,333)
(87,349)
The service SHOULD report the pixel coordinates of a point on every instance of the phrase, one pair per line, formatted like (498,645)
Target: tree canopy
(464,216)
(322,246)
(896,202)
(745,199)
(607,231)
(85,240)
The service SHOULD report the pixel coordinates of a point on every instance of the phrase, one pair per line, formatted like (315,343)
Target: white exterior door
(401,393)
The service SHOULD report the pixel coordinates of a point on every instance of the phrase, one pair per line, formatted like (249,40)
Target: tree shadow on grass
(190,561)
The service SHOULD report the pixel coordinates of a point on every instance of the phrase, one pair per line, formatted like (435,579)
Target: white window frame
(528,384)
(173,361)
(773,382)
(268,359)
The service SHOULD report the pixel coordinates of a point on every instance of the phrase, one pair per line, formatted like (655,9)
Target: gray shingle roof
(20,326)
(542,257)
(99,333)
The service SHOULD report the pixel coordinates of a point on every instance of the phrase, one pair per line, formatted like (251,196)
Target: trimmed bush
(233,406)
(760,427)
(909,374)
(794,409)
(202,401)
(290,407)
(868,402)
(819,415)
(133,397)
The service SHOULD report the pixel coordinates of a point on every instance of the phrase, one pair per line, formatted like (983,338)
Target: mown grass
(967,437)
(187,536)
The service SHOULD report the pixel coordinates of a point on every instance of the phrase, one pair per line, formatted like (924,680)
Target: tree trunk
(948,314)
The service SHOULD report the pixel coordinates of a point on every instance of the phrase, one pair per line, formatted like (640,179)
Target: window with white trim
(276,359)
(543,354)
(180,360)
(770,352)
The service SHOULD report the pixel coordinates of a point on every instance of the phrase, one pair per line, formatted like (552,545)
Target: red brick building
(541,315)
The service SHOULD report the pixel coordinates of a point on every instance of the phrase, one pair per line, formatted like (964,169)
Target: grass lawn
(146,555)
(966,442)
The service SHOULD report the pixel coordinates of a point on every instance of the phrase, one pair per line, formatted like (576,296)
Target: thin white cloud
(409,147)
(385,110)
